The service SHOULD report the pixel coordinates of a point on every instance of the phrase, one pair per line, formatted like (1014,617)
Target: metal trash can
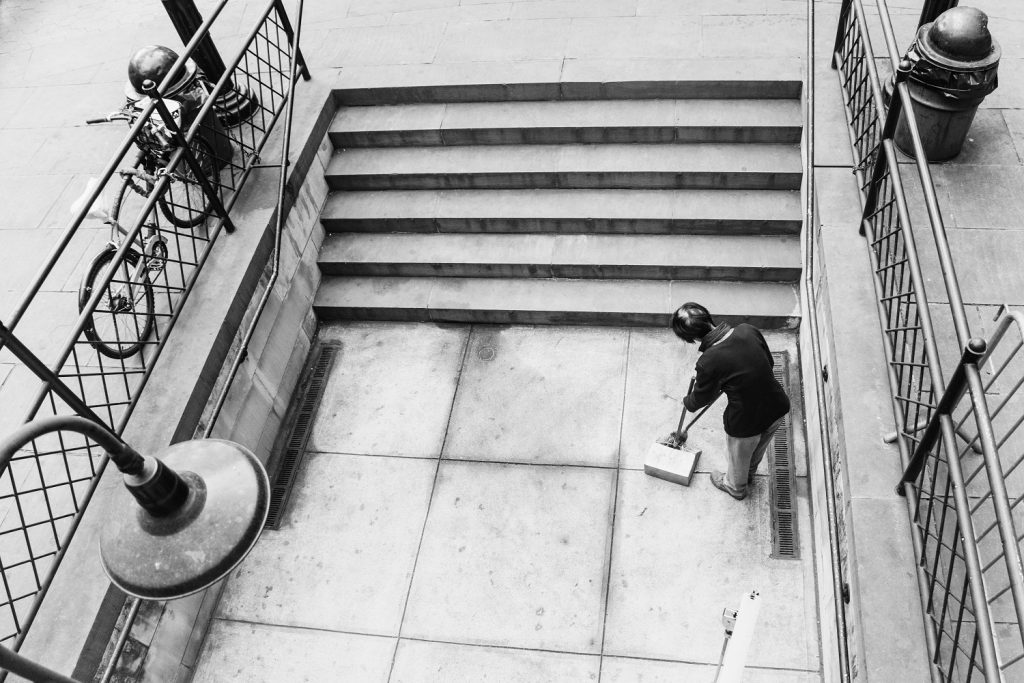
(955,60)
(190,91)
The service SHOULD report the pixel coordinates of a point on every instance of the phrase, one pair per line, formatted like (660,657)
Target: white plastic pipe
(736,653)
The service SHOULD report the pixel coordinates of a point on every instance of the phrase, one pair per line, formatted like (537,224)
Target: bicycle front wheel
(123,318)
(185,204)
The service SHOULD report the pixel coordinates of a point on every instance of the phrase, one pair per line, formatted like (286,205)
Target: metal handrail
(79,379)
(960,625)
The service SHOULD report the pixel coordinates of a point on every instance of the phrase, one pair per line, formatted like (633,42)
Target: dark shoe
(718,481)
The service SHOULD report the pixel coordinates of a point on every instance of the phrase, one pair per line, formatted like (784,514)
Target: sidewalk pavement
(472,506)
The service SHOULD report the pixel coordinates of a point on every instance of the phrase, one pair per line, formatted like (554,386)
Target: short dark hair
(691,321)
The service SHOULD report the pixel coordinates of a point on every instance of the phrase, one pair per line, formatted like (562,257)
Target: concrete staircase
(579,203)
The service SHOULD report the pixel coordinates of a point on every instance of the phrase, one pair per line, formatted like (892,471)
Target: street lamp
(198,510)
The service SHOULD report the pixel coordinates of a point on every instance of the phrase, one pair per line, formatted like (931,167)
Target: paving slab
(581,372)
(625,670)
(407,375)
(514,556)
(376,45)
(754,37)
(974,252)
(963,193)
(37,193)
(681,555)
(503,41)
(426,662)
(635,38)
(497,11)
(260,653)
(344,556)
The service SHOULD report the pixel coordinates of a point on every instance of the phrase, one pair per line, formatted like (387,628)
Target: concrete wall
(870,530)
(166,649)
(78,619)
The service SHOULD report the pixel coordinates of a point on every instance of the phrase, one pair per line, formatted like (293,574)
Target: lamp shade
(201,541)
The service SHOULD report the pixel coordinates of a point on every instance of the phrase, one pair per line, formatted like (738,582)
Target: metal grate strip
(302,411)
(782,478)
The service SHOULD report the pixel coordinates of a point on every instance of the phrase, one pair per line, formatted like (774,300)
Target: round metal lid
(959,39)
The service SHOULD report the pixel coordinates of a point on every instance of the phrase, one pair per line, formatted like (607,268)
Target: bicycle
(124,318)
(184,203)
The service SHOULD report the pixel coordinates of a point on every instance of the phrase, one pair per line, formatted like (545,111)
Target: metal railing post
(237,103)
(286,24)
(844,13)
(892,118)
(149,88)
(973,352)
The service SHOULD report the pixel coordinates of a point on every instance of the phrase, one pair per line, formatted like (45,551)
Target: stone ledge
(880,566)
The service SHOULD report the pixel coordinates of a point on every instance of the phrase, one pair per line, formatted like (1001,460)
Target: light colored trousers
(745,454)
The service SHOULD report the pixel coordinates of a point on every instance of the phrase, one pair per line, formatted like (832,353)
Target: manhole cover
(486,353)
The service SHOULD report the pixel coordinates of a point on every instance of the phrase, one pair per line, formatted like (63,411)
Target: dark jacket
(741,367)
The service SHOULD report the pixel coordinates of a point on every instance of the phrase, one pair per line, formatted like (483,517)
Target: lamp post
(236,103)
(194,513)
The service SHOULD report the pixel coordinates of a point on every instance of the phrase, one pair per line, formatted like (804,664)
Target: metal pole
(293,39)
(237,103)
(949,400)
(844,14)
(122,638)
(933,8)
(892,118)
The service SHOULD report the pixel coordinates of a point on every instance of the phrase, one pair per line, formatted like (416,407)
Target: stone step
(576,79)
(551,301)
(636,166)
(765,212)
(639,257)
(568,122)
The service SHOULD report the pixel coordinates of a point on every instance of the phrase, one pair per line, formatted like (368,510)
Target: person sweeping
(734,361)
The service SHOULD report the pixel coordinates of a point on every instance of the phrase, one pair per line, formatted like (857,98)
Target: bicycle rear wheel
(123,318)
(185,204)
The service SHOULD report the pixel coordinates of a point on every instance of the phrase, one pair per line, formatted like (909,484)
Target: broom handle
(698,415)
(682,415)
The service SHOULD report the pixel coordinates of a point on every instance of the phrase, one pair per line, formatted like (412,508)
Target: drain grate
(782,476)
(302,412)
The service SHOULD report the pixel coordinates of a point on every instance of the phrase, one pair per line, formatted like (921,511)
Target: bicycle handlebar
(116,116)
